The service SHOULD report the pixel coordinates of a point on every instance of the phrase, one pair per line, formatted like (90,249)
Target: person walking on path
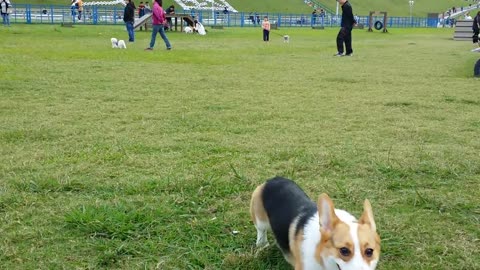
(345,33)
(158,22)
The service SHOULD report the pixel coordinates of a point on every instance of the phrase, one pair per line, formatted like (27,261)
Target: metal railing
(97,15)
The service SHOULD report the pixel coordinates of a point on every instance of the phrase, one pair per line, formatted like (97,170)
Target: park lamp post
(411,3)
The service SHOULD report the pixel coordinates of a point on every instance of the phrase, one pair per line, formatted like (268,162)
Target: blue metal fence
(98,15)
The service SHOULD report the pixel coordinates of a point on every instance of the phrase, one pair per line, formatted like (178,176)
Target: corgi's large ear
(367,216)
(326,213)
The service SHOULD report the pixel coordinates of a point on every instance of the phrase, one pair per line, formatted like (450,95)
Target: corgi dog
(114,42)
(121,44)
(314,236)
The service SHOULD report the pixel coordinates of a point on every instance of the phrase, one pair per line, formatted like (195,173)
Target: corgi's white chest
(311,238)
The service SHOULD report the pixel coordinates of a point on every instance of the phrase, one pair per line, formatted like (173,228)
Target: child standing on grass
(266,29)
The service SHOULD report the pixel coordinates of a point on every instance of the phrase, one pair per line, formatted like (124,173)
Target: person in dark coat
(170,10)
(476,28)
(129,19)
(345,33)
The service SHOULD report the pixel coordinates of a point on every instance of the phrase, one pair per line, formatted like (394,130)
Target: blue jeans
(158,28)
(131,34)
(6,19)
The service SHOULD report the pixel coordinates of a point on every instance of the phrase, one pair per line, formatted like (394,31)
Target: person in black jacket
(345,34)
(129,19)
(170,10)
(476,28)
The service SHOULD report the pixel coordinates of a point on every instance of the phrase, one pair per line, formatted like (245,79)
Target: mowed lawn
(128,159)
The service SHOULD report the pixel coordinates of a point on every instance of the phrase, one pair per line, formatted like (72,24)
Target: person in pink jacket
(158,23)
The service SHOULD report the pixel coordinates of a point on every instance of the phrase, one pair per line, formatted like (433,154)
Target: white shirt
(5,5)
(200,29)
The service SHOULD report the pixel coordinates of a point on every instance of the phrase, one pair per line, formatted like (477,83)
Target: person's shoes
(338,54)
(349,54)
(168,49)
(149,49)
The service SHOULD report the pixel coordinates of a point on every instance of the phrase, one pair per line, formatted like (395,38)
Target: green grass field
(127,159)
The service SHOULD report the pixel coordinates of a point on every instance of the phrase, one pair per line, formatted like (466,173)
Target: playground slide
(140,21)
(189,20)
(462,12)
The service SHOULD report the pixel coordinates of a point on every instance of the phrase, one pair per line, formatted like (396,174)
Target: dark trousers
(266,35)
(344,36)
(476,69)
(475,35)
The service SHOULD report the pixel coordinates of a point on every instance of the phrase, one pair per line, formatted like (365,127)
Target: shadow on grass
(268,258)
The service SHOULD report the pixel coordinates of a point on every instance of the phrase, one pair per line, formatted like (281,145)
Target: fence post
(51,13)
(95,14)
(28,13)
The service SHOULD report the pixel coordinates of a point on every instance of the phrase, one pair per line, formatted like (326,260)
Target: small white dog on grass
(118,44)
(286,39)
(188,30)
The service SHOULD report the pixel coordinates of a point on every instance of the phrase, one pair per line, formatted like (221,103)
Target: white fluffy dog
(188,29)
(114,42)
(118,44)
(286,39)
(121,44)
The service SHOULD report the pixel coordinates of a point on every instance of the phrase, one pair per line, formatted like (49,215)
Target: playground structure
(461,11)
(463,30)
(378,24)
(315,4)
(145,19)
(214,5)
(104,3)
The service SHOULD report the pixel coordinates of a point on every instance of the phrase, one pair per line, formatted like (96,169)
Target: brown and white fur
(314,236)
